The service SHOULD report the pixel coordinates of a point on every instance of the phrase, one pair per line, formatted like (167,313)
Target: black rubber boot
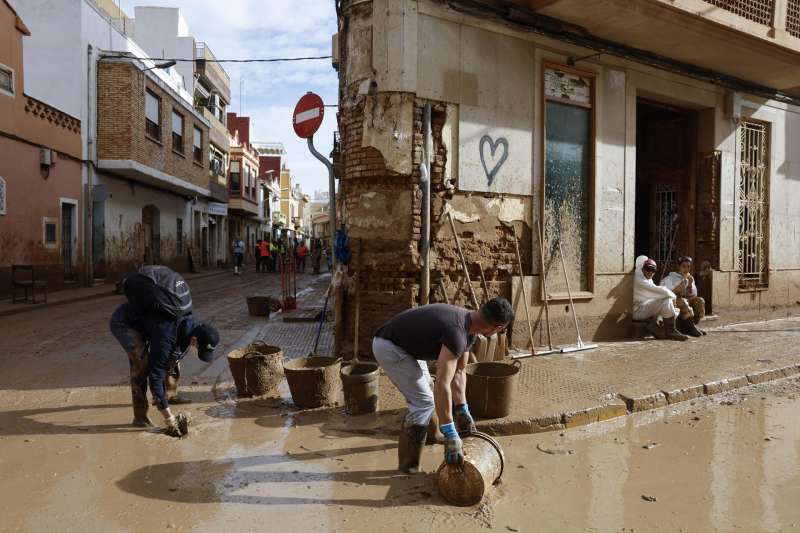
(655,328)
(687,327)
(142,422)
(671,333)
(409,449)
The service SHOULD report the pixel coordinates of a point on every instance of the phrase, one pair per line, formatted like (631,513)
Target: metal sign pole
(331,194)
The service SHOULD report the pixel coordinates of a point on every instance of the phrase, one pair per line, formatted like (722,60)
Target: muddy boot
(409,449)
(434,435)
(671,333)
(655,328)
(687,327)
(142,422)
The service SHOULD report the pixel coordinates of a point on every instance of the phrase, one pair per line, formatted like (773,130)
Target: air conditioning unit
(216,166)
(335,51)
(46,157)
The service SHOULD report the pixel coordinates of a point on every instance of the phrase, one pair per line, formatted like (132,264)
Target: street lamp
(162,66)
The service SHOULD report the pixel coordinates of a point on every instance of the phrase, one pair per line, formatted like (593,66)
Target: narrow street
(718,463)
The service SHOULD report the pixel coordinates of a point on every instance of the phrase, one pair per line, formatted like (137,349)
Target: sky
(262,29)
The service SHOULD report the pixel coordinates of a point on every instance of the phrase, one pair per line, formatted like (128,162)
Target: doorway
(666,141)
(68,240)
(151,228)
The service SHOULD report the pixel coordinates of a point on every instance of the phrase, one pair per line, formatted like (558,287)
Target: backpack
(158,289)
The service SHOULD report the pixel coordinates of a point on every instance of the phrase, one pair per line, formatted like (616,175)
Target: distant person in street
(156,328)
(263,255)
(326,254)
(691,307)
(441,333)
(274,252)
(654,303)
(302,252)
(316,255)
(237,247)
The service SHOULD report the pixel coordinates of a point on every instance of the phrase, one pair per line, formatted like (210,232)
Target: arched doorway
(151,227)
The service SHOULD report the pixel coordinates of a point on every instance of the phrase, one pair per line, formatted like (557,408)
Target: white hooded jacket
(673,279)
(645,289)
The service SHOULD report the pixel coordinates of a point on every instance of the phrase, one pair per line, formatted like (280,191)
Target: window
(152,110)
(179,235)
(568,176)
(246,181)
(6,80)
(2,196)
(236,183)
(197,146)
(177,131)
(753,204)
(50,232)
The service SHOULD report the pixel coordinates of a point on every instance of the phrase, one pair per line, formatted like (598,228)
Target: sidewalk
(78,294)
(562,391)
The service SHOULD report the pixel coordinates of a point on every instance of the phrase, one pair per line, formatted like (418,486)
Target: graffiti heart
(494,157)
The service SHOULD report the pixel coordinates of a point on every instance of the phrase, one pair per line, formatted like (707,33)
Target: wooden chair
(29,283)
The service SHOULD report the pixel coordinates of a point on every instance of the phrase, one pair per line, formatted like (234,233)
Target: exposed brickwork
(121,124)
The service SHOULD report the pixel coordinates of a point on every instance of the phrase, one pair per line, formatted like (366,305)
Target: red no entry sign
(308,114)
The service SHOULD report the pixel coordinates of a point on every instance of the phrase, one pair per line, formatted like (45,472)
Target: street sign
(308,114)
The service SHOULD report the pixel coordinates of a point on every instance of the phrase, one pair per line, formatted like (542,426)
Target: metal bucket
(491,388)
(313,380)
(483,467)
(256,369)
(360,385)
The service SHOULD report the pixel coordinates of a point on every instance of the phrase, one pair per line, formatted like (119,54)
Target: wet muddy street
(70,462)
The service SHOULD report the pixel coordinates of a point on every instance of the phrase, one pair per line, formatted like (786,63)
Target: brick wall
(121,124)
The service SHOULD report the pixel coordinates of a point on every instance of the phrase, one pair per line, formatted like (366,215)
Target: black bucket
(491,388)
(360,384)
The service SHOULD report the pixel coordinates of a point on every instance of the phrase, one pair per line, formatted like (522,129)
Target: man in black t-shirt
(441,333)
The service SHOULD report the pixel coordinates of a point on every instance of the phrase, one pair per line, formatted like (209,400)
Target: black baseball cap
(207,341)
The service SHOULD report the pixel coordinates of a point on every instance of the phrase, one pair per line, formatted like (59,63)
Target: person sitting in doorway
(692,308)
(654,303)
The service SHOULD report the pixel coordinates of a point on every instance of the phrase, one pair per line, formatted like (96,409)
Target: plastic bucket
(360,385)
(256,369)
(313,380)
(491,388)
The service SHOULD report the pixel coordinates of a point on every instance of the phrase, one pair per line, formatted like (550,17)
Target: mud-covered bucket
(483,467)
(313,381)
(360,385)
(256,369)
(491,388)
(258,305)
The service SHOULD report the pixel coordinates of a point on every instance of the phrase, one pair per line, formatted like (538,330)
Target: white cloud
(248,29)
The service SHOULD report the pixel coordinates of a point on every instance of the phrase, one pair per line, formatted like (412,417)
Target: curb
(95,296)
(624,405)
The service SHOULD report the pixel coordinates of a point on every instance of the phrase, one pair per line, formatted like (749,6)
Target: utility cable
(177,60)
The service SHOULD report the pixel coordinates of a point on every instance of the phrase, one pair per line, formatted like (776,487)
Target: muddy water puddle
(722,464)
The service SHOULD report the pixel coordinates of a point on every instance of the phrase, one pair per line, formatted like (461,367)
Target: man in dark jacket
(156,328)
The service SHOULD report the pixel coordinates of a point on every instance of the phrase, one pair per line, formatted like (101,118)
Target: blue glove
(453,447)
(463,419)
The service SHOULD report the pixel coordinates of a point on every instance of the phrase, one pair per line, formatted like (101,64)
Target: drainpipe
(331,194)
(88,206)
(425,178)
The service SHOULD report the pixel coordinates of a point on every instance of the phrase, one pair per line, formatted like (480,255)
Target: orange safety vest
(302,251)
(264,248)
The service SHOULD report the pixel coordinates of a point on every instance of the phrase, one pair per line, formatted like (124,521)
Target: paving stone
(683,394)
(723,385)
(644,402)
